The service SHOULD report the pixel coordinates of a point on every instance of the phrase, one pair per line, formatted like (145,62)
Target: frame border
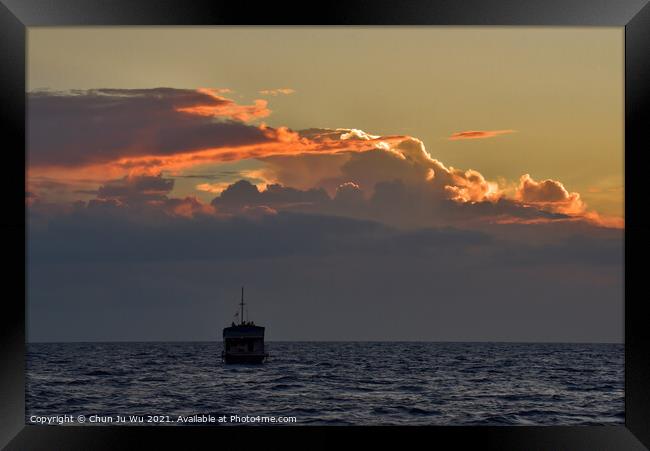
(634,15)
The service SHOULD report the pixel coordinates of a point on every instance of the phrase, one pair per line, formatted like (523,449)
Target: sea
(326,383)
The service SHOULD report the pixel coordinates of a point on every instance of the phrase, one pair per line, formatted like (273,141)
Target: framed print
(420,219)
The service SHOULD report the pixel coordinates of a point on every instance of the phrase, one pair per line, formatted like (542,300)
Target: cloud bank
(116,139)
(104,271)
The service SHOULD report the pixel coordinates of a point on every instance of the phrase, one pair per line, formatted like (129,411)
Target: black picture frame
(17,15)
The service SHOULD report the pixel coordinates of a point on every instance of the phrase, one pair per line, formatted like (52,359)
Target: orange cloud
(614,222)
(367,159)
(549,195)
(284,142)
(224,107)
(279,142)
(214,188)
(405,159)
(471,186)
(478,134)
(276,92)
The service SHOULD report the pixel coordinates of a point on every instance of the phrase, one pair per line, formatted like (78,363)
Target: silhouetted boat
(243,342)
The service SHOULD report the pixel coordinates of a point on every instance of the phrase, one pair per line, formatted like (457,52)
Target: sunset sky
(472,177)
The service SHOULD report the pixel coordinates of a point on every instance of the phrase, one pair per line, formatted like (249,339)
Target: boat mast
(242,304)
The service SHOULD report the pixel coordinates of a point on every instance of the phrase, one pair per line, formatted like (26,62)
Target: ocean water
(327,383)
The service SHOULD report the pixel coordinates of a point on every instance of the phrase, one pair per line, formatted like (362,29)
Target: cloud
(337,211)
(549,195)
(217,91)
(80,128)
(136,189)
(303,171)
(428,181)
(276,92)
(356,251)
(188,207)
(214,188)
(104,134)
(222,107)
(397,203)
(110,136)
(393,203)
(349,192)
(106,229)
(176,278)
(478,134)
(146,196)
(404,185)
(393,158)
(258,211)
(244,195)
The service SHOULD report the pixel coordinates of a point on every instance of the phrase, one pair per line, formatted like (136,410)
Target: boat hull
(244,358)
(243,343)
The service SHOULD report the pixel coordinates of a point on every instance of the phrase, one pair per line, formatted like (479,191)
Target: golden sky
(550,99)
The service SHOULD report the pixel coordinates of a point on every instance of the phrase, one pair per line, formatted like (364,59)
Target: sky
(387,183)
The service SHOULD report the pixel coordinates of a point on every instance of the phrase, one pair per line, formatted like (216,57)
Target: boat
(243,342)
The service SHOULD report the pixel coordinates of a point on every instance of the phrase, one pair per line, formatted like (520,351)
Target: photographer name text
(160,419)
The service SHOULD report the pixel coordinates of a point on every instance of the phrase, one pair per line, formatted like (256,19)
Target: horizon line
(330,341)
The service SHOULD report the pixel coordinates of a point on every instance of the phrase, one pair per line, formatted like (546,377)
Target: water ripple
(347,383)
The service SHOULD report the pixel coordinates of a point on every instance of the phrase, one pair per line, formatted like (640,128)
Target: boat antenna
(242,304)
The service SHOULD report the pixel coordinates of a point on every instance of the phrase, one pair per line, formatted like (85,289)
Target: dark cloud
(104,229)
(218,175)
(243,194)
(101,272)
(394,203)
(349,195)
(82,127)
(136,189)
(144,197)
